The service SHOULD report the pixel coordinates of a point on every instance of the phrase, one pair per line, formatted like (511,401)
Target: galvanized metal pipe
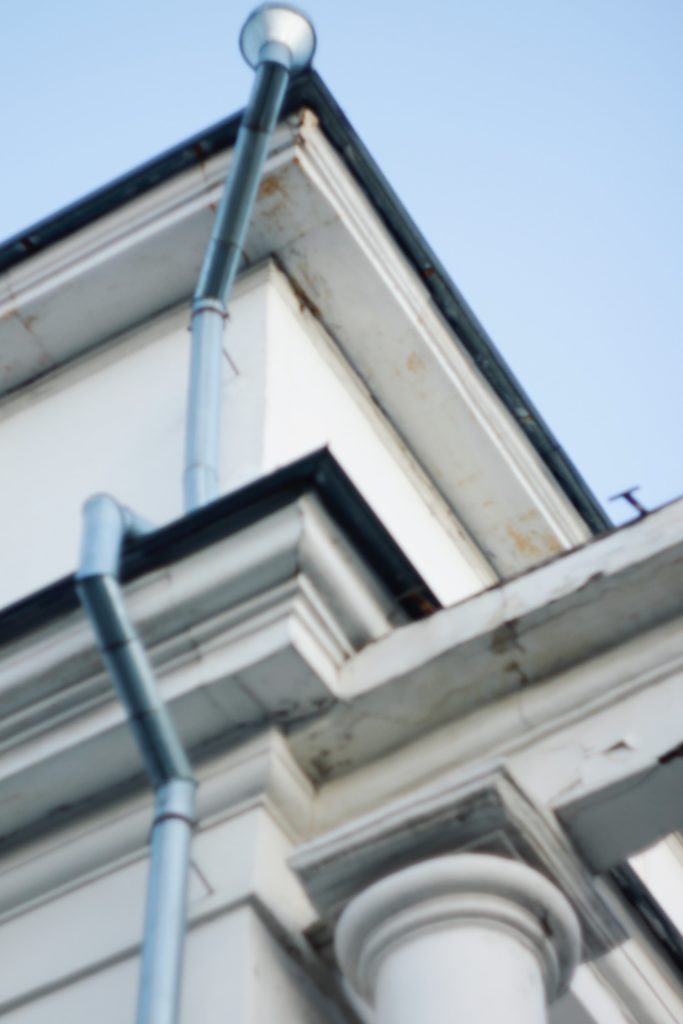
(166,913)
(277,40)
(225,250)
(202,444)
(106,526)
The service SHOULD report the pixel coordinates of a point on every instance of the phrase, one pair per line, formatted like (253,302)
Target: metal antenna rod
(629,495)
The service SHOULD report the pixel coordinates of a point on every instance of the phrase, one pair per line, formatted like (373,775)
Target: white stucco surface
(115,422)
(538,720)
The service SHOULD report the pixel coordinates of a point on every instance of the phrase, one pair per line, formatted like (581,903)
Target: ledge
(309,91)
(481,811)
(248,609)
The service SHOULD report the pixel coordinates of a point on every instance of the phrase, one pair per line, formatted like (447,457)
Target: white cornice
(488,416)
(262,628)
(249,631)
(129,225)
(348,272)
(482,810)
(567,672)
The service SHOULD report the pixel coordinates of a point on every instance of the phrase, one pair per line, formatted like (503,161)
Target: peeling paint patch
(415,364)
(621,748)
(533,544)
(305,302)
(593,578)
(504,639)
(552,544)
(672,755)
(524,543)
(323,764)
(516,669)
(26,322)
(271,185)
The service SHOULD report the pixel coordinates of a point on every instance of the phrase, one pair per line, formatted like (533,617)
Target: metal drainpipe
(277,41)
(106,527)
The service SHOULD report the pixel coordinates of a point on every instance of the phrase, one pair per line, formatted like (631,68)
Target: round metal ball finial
(280,32)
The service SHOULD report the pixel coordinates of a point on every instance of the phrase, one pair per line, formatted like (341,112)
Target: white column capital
(455,894)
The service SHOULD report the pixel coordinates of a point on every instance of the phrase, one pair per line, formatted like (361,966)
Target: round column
(459,939)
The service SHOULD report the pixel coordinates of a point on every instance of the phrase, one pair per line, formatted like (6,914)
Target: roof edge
(309,90)
(318,473)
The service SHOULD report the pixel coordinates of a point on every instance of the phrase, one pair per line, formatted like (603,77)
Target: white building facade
(432,701)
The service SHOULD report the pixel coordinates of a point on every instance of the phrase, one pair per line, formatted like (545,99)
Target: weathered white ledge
(249,631)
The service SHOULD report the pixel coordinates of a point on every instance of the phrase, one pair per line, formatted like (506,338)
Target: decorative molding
(483,811)
(260,773)
(507,670)
(312,207)
(459,891)
(249,631)
(552,512)
(329,350)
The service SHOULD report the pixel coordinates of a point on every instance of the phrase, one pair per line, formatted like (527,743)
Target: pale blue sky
(538,144)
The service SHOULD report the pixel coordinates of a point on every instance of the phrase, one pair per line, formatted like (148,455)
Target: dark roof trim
(657,922)
(310,91)
(318,473)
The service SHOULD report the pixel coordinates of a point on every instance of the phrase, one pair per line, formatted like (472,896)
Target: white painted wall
(112,422)
(71,954)
(235,971)
(299,394)
(115,421)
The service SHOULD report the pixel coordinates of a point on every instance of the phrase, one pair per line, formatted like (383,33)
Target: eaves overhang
(528,658)
(317,474)
(247,609)
(309,91)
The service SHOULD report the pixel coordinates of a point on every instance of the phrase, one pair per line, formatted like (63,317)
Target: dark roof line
(652,915)
(310,91)
(318,474)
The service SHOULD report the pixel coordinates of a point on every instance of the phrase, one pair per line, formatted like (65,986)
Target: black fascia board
(657,923)
(317,474)
(308,90)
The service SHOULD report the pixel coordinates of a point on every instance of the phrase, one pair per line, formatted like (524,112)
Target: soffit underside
(314,220)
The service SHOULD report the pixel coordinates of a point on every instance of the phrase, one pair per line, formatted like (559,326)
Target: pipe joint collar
(209,306)
(176,799)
